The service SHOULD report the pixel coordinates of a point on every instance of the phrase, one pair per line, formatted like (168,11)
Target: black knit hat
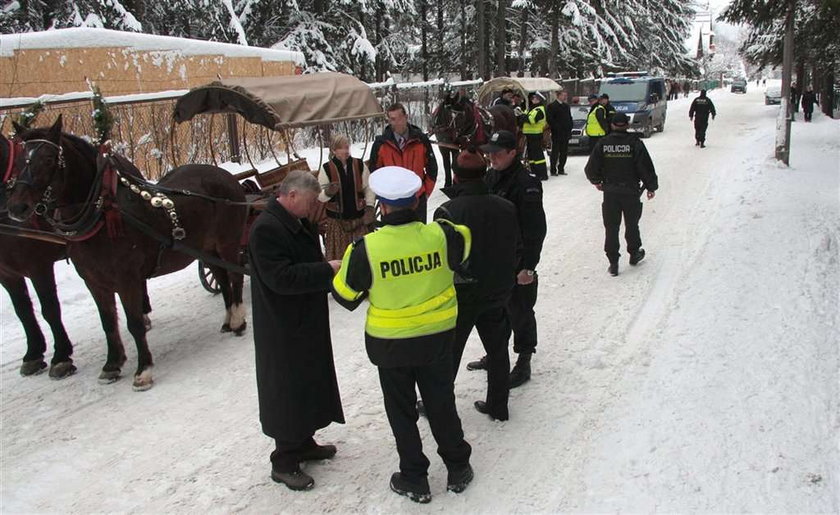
(469,165)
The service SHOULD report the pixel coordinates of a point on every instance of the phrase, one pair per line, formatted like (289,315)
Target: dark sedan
(579,141)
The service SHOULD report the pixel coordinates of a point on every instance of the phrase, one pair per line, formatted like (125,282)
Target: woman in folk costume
(349,200)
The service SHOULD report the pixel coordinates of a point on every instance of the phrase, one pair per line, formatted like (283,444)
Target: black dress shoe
(295,480)
(480,364)
(481,407)
(457,481)
(637,256)
(417,492)
(317,453)
(613,269)
(561,172)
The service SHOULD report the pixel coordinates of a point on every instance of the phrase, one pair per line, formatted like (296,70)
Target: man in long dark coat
(296,383)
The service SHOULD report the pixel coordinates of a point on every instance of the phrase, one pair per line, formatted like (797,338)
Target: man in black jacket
(699,111)
(560,122)
(489,276)
(509,179)
(616,166)
(808,101)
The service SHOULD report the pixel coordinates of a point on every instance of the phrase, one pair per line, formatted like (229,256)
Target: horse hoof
(241,329)
(225,328)
(143,381)
(31,368)
(62,370)
(147,322)
(109,376)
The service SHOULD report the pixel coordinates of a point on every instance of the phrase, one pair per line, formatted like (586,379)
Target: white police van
(641,97)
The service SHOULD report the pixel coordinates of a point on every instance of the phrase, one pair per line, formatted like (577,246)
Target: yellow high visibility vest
(593,126)
(531,126)
(412,292)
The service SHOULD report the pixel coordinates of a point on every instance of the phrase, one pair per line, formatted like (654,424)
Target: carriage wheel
(208,280)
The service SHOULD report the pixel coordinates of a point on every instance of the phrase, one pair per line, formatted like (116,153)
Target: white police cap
(395,184)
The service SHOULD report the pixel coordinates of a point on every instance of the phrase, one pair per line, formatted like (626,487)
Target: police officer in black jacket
(616,166)
(489,276)
(699,111)
(560,121)
(509,179)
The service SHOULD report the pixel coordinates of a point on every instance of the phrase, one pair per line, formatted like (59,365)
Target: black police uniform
(524,190)
(485,288)
(618,163)
(700,110)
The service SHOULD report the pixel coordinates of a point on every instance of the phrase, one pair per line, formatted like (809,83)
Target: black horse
(24,257)
(62,178)
(461,123)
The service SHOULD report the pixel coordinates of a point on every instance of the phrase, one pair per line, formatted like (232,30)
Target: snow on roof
(91,38)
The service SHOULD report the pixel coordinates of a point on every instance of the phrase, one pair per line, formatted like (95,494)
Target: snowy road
(705,379)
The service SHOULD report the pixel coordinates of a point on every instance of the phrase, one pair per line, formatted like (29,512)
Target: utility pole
(786,112)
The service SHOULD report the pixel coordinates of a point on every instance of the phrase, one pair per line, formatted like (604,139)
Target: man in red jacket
(403,144)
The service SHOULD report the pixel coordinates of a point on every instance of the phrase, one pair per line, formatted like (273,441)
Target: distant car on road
(579,142)
(773,95)
(739,86)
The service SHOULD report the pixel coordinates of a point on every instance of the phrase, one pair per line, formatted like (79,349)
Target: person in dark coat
(296,382)
(808,101)
(560,122)
(701,108)
(509,179)
(609,110)
(489,276)
(618,163)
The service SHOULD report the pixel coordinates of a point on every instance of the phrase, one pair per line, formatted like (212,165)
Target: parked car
(739,86)
(640,97)
(773,95)
(579,142)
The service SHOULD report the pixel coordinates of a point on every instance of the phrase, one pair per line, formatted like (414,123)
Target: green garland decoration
(28,115)
(103,120)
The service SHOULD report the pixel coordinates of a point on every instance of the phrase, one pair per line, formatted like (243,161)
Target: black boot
(458,480)
(613,269)
(521,372)
(481,364)
(294,479)
(314,452)
(417,492)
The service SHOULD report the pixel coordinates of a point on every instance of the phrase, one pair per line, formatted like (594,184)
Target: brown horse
(61,179)
(460,121)
(20,258)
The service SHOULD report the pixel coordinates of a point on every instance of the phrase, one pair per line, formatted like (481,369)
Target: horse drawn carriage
(120,230)
(279,104)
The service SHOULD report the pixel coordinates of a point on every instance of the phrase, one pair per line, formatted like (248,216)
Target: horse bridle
(25,177)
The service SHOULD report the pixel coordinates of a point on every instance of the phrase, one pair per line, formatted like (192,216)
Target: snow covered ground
(703,380)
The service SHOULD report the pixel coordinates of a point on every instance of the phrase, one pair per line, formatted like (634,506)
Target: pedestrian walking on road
(296,383)
(701,108)
(617,166)
(405,269)
(808,101)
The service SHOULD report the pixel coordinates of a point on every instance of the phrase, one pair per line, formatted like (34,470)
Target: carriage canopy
(283,102)
(523,85)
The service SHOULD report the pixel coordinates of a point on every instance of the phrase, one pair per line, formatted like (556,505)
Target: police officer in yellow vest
(405,269)
(533,126)
(596,122)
